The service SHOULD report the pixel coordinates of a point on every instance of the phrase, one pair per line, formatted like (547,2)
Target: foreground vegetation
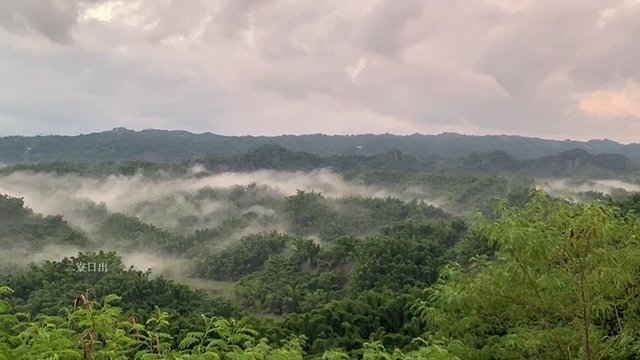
(546,280)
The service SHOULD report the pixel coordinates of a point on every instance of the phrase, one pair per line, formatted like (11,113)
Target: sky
(544,68)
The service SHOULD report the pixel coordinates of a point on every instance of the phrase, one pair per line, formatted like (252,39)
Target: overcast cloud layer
(558,69)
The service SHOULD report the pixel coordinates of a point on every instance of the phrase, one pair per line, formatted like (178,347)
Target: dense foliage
(555,280)
(508,272)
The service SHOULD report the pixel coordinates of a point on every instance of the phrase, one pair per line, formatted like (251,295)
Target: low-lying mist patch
(194,201)
(575,189)
(21,255)
(160,265)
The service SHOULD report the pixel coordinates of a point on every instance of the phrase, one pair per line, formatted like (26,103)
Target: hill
(121,144)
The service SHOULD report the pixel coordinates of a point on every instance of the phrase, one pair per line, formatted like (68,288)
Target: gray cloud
(532,67)
(50,18)
(383,29)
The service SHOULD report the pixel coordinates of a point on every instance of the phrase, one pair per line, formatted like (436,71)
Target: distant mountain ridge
(571,163)
(121,144)
(576,163)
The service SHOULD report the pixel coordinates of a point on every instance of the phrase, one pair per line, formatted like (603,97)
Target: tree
(404,255)
(564,286)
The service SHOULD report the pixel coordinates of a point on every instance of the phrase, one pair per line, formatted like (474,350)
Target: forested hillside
(281,254)
(121,144)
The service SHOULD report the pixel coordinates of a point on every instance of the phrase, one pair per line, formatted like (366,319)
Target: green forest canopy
(551,279)
(514,274)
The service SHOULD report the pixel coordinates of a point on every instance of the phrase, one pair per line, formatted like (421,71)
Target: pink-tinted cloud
(621,102)
(333,66)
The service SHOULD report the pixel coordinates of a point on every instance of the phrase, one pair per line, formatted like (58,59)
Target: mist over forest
(320,254)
